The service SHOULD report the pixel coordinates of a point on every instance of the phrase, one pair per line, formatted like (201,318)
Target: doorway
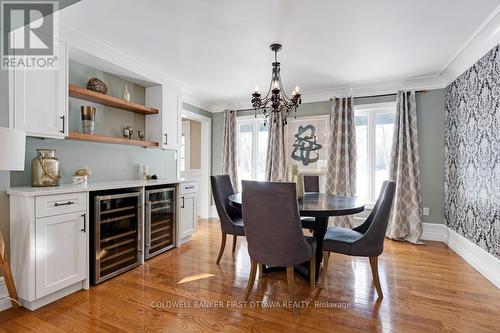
(195,156)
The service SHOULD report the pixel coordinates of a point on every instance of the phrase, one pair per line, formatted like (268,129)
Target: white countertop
(29,191)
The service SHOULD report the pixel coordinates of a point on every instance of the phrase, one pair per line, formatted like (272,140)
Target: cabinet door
(39,99)
(165,126)
(188,215)
(61,252)
(171,118)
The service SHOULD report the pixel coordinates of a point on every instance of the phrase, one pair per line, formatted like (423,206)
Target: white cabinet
(39,98)
(60,252)
(165,126)
(187,212)
(49,246)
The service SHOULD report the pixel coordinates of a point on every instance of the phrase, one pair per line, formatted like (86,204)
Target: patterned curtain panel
(341,173)
(405,222)
(275,159)
(229,166)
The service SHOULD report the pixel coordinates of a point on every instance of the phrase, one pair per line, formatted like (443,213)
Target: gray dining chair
(311,185)
(273,230)
(366,240)
(230,218)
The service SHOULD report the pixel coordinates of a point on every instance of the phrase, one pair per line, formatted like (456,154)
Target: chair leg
(312,272)
(234,242)
(251,279)
(291,286)
(261,270)
(376,280)
(326,258)
(222,246)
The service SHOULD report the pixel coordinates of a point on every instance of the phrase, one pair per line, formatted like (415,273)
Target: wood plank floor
(427,288)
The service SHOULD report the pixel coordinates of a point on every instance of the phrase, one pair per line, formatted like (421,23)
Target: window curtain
(275,159)
(405,222)
(341,172)
(229,162)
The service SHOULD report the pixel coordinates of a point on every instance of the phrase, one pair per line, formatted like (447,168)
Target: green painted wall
(430,113)
(107,162)
(192,108)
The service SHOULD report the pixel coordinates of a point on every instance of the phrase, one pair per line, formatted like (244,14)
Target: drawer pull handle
(189,187)
(69,203)
(84,223)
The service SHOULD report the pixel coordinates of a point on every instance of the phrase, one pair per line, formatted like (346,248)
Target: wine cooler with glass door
(116,240)
(159,221)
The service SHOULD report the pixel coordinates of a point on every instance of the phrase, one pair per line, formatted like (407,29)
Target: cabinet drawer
(191,187)
(50,205)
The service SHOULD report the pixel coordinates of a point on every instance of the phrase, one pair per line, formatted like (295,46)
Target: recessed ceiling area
(219,49)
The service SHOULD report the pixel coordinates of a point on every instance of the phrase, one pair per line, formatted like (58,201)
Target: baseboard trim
(5,302)
(482,261)
(213,212)
(434,232)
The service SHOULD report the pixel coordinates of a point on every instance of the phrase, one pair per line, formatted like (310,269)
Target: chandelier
(276,98)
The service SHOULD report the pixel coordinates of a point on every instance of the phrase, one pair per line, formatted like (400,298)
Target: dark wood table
(321,206)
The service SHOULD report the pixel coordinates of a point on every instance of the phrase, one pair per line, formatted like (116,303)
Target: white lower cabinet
(60,252)
(187,212)
(49,248)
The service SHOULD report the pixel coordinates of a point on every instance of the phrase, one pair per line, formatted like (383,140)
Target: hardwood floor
(426,288)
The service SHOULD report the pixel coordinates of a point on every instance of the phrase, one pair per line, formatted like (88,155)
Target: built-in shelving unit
(92,96)
(76,136)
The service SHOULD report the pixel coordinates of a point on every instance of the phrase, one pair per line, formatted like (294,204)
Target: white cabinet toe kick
(50,239)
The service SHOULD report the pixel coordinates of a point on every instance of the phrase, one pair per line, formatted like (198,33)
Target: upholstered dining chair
(311,185)
(366,240)
(273,230)
(231,222)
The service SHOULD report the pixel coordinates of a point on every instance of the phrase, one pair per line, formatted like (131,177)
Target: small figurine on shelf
(126,94)
(81,176)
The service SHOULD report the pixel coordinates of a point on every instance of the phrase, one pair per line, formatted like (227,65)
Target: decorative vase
(126,94)
(88,119)
(97,85)
(45,169)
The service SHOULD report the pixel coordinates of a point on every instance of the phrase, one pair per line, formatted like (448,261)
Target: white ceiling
(219,49)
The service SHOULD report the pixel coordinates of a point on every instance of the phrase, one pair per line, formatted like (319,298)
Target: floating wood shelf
(109,139)
(96,97)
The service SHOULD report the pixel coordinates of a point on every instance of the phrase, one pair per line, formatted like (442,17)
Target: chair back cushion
(221,190)
(372,242)
(272,224)
(311,184)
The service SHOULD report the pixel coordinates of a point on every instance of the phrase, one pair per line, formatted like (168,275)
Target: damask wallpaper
(472,153)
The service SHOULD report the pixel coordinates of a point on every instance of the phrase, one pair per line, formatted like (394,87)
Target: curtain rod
(383,95)
(331,99)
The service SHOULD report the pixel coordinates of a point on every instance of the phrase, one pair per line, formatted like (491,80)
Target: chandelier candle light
(276,98)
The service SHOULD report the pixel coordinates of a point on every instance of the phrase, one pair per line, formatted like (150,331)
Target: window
(252,148)
(374,131)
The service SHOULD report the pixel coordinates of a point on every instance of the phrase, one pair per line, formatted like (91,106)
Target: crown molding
(125,65)
(481,41)
(362,90)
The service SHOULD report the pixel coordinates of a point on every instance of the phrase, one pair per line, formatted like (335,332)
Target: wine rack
(116,233)
(160,217)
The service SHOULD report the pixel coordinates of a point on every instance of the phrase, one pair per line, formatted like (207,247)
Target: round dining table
(320,206)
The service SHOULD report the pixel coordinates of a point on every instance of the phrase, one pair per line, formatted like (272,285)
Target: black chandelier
(276,98)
